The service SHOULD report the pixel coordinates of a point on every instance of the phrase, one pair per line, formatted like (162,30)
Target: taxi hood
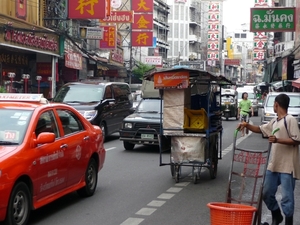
(6,149)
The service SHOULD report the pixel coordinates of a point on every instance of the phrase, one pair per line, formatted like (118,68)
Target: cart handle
(274,131)
(237,130)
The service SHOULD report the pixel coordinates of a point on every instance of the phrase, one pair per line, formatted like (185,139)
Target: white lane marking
(108,149)
(183,184)
(174,189)
(132,221)
(156,203)
(166,196)
(145,211)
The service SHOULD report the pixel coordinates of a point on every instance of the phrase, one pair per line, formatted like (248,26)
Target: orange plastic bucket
(230,214)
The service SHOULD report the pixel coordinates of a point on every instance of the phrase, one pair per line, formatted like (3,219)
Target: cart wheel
(195,178)
(213,169)
(177,177)
(177,173)
(172,167)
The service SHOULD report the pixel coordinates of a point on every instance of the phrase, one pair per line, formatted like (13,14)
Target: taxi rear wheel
(91,179)
(18,210)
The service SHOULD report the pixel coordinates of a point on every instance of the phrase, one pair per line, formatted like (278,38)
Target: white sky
(235,13)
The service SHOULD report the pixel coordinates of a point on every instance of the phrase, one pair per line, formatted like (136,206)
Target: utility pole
(130,63)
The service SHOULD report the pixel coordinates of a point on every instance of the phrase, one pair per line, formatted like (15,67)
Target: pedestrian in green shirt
(244,110)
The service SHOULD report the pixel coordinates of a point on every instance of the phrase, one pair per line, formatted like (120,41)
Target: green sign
(272,19)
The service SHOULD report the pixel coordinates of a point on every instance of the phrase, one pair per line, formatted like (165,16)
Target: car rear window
(294,101)
(250,95)
(80,93)
(13,125)
(149,105)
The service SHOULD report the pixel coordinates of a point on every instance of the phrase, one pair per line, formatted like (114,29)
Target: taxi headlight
(128,125)
(89,115)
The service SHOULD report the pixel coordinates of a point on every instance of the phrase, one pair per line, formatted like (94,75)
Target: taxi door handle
(64,146)
(86,138)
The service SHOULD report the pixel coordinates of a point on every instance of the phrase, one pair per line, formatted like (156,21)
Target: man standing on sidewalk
(284,164)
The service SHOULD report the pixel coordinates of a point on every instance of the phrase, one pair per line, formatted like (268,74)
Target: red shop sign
(73,60)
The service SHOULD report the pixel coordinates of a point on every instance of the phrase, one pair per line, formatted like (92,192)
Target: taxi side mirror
(45,137)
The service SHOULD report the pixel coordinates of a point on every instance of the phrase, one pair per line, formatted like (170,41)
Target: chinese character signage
(142,39)
(297,31)
(87,9)
(272,19)
(142,28)
(142,6)
(143,22)
(260,36)
(109,37)
(261,3)
(213,35)
(118,17)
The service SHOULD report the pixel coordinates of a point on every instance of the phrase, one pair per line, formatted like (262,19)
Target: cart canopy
(195,76)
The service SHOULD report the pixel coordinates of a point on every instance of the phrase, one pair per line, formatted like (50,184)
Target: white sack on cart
(187,149)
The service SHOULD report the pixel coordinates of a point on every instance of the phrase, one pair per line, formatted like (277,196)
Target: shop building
(27,53)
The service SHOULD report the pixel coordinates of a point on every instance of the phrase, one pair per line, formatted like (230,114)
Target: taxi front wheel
(18,210)
(91,179)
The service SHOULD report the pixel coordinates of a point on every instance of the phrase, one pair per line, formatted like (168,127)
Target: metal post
(39,78)
(130,64)
(11,76)
(26,78)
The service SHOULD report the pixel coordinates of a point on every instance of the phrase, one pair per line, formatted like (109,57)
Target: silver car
(294,107)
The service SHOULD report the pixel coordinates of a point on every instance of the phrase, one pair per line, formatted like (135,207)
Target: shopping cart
(245,184)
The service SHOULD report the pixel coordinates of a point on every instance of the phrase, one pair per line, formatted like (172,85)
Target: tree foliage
(140,69)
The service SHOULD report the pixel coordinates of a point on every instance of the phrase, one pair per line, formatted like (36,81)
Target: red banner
(21,9)
(141,39)
(109,37)
(73,60)
(82,9)
(143,22)
(142,6)
(118,17)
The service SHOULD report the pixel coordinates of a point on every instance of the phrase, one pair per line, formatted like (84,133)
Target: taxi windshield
(79,93)
(13,126)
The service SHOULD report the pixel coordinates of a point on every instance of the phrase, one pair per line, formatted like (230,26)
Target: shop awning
(296,83)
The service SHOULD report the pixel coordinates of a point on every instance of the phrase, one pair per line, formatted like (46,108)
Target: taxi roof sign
(21,97)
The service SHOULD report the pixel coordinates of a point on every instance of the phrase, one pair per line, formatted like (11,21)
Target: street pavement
(255,141)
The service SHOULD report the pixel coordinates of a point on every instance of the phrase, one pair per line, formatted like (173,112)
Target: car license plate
(147,136)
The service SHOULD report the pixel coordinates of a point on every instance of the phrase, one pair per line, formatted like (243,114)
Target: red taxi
(47,150)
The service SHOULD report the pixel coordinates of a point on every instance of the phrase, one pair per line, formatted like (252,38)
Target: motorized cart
(191,120)
(229,103)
